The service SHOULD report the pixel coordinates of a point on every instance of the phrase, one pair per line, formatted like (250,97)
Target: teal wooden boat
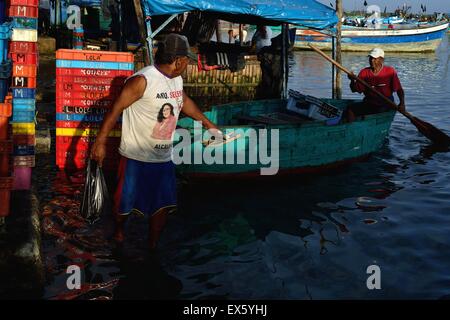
(305,145)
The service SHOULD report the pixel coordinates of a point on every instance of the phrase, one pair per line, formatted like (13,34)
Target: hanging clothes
(221,56)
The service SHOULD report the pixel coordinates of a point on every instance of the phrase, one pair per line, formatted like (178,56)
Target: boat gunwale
(309,124)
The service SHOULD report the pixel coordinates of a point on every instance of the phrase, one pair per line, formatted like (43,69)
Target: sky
(432,5)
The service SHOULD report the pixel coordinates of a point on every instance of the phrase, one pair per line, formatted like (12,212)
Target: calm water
(306,238)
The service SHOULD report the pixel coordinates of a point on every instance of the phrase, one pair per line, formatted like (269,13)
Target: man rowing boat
(383,79)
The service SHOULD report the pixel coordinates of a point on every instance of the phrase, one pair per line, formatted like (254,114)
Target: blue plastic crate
(81,117)
(5,69)
(3,50)
(5,31)
(94,65)
(23,116)
(23,151)
(3,89)
(25,23)
(24,93)
(24,105)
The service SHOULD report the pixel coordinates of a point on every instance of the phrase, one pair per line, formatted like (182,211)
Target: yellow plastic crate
(84,132)
(24,128)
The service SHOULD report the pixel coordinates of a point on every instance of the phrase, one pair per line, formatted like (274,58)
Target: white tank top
(148,125)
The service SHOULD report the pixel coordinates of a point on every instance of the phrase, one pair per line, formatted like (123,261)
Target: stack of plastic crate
(87,82)
(78,38)
(6,179)
(24,55)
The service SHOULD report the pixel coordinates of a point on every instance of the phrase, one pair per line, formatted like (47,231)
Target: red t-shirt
(386,82)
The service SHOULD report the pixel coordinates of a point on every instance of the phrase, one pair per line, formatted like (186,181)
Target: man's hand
(216,133)
(98,152)
(401,107)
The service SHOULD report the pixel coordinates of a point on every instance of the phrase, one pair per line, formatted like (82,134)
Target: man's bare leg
(156,225)
(119,235)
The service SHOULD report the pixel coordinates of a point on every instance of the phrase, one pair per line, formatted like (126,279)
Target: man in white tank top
(151,101)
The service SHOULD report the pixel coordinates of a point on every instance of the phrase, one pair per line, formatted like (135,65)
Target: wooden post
(333,68)
(218,32)
(285,64)
(142,27)
(340,13)
(241,35)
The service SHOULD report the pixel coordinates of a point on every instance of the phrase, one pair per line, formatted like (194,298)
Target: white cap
(376,53)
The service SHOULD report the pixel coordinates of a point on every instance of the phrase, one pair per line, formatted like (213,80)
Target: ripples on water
(306,238)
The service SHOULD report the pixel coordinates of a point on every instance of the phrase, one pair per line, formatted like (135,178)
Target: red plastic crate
(24,139)
(91,95)
(6,149)
(91,80)
(81,110)
(84,124)
(6,184)
(24,70)
(89,55)
(77,165)
(82,155)
(6,146)
(23,11)
(24,82)
(61,86)
(65,140)
(75,144)
(30,3)
(93,72)
(103,103)
(4,128)
(25,58)
(18,47)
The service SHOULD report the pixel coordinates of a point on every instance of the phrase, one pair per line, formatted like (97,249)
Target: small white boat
(399,39)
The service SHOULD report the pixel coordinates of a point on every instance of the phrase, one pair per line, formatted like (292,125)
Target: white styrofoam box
(27,35)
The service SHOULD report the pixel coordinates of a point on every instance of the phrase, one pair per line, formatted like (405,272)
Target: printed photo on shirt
(166,124)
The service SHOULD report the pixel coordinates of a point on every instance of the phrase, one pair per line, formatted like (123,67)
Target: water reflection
(305,237)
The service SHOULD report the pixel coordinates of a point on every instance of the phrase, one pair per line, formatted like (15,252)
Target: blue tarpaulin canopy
(308,13)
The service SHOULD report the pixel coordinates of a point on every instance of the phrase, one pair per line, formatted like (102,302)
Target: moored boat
(404,39)
(305,145)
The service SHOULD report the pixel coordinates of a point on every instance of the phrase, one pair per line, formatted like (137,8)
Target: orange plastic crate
(8,99)
(24,70)
(90,55)
(6,109)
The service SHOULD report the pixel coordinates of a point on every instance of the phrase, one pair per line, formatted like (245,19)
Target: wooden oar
(436,135)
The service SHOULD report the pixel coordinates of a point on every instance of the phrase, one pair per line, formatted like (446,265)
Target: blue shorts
(145,187)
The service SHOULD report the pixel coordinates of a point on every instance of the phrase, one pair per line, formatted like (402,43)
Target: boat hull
(302,148)
(362,39)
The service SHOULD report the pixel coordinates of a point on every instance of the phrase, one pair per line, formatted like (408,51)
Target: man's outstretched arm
(191,110)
